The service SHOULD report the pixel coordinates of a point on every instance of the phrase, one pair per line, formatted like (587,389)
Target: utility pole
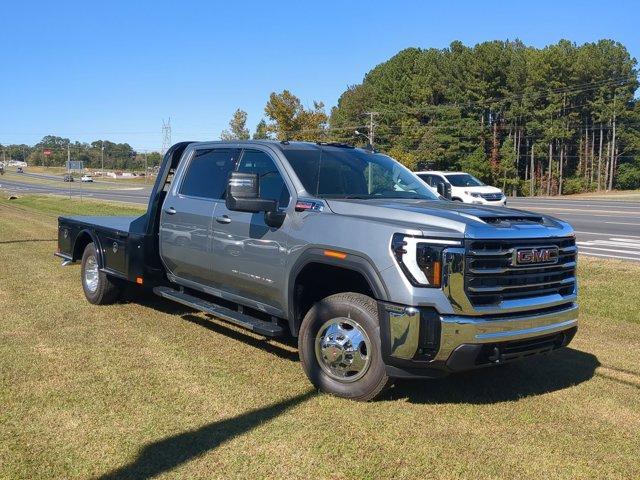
(613,146)
(372,128)
(102,160)
(69,168)
(146,169)
(549,169)
(532,172)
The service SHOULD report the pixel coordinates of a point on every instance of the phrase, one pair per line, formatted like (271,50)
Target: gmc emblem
(531,256)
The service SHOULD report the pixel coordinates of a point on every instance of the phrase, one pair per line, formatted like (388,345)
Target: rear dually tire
(98,288)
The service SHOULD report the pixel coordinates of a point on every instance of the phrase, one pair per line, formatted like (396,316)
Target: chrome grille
(491,275)
(491,197)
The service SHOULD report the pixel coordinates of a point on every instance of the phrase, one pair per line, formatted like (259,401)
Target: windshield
(463,180)
(334,172)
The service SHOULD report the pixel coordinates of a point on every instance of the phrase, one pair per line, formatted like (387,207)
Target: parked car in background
(67,177)
(86,178)
(464,188)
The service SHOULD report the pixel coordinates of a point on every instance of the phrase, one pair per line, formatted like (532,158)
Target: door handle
(223,219)
(170,211)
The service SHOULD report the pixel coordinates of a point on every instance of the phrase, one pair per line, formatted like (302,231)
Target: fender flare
(94,239)
(353,261)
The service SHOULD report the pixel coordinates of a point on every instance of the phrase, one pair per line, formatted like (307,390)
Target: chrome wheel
(343,349)
(91,274)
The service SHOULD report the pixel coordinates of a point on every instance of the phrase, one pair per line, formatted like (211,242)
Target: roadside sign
(74,165)
(46,152)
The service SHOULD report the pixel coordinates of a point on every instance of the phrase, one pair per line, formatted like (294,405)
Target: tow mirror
(243,195)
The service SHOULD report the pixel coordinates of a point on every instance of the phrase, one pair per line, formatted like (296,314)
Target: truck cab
(377,275)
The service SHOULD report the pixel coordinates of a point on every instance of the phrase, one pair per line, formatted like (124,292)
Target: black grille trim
(491,197)
(503,352)
(491,277)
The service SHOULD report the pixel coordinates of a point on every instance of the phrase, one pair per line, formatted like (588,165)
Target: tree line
(560,119)
(54,151)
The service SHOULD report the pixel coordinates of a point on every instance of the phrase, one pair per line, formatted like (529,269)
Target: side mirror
(243,194)
(444,190)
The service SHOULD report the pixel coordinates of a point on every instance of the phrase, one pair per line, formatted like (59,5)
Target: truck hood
(455,219)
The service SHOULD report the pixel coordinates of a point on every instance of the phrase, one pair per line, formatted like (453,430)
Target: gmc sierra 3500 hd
(347,250)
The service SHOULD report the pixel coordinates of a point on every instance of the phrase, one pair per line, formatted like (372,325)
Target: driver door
(249,256)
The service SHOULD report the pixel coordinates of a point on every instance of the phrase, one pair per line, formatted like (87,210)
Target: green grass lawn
(145,388)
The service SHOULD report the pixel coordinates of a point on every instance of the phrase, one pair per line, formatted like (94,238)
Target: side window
(208,172)
(272,186)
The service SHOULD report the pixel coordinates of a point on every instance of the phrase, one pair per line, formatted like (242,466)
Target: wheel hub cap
(91,274)
(343,349)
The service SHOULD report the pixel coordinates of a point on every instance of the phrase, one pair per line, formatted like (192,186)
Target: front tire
(339,345)
(98,288)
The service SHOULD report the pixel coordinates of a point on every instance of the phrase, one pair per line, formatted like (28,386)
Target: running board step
(261,327)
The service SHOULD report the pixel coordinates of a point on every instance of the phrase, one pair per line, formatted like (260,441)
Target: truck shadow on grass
(28,240)
(273,346)
(171,452)
(557,370)
(538,375)
(262,343)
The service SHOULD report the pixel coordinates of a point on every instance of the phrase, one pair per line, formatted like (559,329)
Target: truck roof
(282,145)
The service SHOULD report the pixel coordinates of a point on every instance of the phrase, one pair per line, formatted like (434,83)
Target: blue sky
(114,70)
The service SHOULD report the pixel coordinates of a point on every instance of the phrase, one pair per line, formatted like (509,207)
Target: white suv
(465,188)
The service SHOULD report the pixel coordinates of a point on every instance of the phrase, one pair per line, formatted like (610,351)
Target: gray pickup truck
(376,275)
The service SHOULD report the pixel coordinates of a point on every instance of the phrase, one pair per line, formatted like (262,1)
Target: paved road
(604,228)
(134,194)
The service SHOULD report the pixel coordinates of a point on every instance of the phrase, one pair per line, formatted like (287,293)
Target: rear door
(249,256)
(187,213)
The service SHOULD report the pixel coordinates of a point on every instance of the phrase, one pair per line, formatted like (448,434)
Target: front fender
(353,261)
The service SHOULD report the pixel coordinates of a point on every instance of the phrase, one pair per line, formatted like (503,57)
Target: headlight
(420,258)
(473,194)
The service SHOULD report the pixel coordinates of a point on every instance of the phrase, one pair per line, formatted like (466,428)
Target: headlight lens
(473,194)
(420,258)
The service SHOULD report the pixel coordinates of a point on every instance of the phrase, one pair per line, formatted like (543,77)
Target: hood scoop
(509,220)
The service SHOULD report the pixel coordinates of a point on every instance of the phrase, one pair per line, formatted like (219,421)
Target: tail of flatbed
(128,249)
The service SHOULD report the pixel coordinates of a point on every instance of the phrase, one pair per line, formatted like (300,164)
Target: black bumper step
(261,327)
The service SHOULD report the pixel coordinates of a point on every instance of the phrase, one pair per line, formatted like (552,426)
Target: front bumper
(482,201)
(419,342)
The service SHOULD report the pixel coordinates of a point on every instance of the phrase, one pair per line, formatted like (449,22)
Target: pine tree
(237,127)
(261,132)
